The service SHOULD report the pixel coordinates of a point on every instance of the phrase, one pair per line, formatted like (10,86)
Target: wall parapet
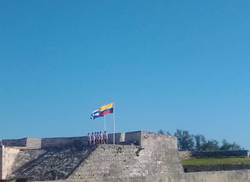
(36,143)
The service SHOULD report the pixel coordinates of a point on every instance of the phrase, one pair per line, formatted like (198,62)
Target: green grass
(216,161)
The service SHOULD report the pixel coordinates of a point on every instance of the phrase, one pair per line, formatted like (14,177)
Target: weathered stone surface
(25,156)
(7,159)
(219,176)
(223,176)
(14,142)
(156,155)
(53,164)
(185,155)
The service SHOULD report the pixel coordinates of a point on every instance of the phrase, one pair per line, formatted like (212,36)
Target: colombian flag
(107,109)
(103,111)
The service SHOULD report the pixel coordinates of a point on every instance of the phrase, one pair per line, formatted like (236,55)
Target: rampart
(136,157)
(31,143)
(36,143)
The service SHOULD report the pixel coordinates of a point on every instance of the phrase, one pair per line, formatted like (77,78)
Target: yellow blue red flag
(102,111)
(106,107)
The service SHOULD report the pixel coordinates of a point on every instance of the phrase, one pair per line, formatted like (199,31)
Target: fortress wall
(15,142)
(34,143)
(225,176)
(184,155)
(164,156)
(55,163)
(152,139)
(157,155)
(133,137)
(37,143)
(130,138)
(59,142)
(24,157)
(156,159)
(107,160)
(117,179)
(219,176)
(117,138)
(8,156)
(151,178)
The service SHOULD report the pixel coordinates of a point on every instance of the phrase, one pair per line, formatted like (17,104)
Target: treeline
(188,141)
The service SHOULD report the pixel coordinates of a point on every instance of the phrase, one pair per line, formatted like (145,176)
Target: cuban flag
(95,114)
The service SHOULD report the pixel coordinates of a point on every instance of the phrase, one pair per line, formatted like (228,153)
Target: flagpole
(114,123)
(104,123)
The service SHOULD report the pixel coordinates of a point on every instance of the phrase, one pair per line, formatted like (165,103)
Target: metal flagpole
(114,123)
(104,123)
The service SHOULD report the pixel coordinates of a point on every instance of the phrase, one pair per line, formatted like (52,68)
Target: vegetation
(216,164)
(187,141)
(216,161)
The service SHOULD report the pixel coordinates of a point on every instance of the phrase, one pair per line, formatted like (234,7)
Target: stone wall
(156,155)
(153,178)
(230,176)
(219,176)
(24,157)
(117,138)
(8,156)
(35,143)
(142,157)
(185,155)
(164,156)
(53,164)
(15,142)
(130,137)
(133,137)
(126,138)
(63,141)
(31,143)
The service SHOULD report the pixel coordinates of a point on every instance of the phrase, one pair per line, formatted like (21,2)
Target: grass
(216,161)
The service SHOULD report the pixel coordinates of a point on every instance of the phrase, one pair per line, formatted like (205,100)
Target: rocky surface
(80,162)
(25,156)
(53,164)
(156,156)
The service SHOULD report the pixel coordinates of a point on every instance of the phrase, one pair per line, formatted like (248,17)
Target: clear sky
(166,64)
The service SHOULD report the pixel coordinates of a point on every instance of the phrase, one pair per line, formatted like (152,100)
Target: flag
(95,114)
(107,111)
(106,107)
(102,111)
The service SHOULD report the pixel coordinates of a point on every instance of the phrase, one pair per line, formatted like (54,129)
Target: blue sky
(166,64)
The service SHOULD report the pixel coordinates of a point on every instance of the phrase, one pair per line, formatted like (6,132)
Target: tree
(228,146)
(163,132)
(200,140)
(185,140)
(210,145)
